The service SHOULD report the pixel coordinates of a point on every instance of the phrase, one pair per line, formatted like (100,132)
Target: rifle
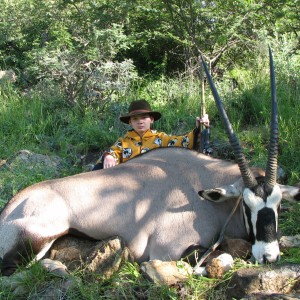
(204,134)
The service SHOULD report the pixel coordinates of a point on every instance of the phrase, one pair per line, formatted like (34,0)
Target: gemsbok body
(152,202)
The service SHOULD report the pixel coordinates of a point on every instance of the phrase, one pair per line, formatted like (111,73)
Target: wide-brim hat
(139,107)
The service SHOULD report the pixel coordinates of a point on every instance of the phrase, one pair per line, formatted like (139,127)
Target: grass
(42,123)
(288,219)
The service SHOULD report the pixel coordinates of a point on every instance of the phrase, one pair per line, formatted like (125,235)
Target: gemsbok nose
(268,259)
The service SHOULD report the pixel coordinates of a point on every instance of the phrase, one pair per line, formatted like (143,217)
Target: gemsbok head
(261,196)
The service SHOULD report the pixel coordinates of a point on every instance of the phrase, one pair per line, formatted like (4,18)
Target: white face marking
(266,251)
(263,251)
(255,204)
(273,202)
(275,198)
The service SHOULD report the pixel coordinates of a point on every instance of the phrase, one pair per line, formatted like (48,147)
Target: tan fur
(151,202)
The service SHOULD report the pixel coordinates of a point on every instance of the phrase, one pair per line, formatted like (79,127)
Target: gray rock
(237,248)
(289,241)
(218,266)
(33,160)
(101,257)
(166,272)
(8,75)
(280,279)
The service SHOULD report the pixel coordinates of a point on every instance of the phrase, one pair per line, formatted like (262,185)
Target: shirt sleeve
(184,141)
(115,151)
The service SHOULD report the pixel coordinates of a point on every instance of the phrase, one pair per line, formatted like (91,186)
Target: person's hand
(109,161)
(203,120)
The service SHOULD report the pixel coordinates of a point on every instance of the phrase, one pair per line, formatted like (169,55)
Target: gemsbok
(152,202)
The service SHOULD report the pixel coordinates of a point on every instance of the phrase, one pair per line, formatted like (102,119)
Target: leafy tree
(229,27)
(73,43)
(160,37)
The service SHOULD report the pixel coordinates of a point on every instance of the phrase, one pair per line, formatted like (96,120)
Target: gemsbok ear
(290,193)
(221,194)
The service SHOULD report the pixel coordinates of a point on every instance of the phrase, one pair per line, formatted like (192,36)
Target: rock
(101,257)
(8,75)
(28,160)
(201,271)
(18,285)
(3,163)
(274,296)
(237,248)
(217,267)
(289,241)
(56,289)
(55,267)
(107,258)
(50,292)
(216,264)
(72,251)
(166,272)
(281,279)
(14,282)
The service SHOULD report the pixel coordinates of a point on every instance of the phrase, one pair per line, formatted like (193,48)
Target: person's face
(141,123)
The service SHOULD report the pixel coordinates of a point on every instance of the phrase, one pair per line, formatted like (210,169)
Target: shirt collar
(132,134)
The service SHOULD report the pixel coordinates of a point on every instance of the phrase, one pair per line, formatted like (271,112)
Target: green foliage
(177,99)
(159,36)
(291,255)
(289,220)
(66,43)
(248,104)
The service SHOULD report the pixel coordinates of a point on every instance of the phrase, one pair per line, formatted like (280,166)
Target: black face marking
(248,217)
(266,225)
(262,190)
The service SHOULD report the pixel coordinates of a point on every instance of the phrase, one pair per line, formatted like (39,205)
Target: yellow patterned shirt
(132,144)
